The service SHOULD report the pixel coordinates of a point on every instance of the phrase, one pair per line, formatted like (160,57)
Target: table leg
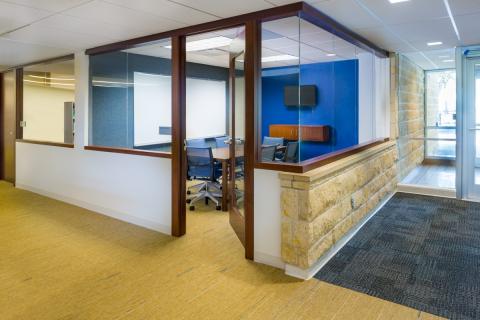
(224,185)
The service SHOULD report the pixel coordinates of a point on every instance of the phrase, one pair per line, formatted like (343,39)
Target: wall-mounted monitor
(308,96)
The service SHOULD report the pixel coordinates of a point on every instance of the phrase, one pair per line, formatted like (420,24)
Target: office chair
(268,152)
(277,142)
(291,152)
(272,141)
(220,142)
(202,167)
(198,143)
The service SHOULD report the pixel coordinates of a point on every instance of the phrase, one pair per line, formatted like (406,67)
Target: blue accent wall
(337,102)
(112,106)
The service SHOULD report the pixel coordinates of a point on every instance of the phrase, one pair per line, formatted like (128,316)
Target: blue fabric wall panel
(337,103)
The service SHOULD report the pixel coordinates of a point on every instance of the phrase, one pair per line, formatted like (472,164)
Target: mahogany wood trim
(253,31)
(179,160)
(46,143)
(317,162)
(322,20)
(44,61)
(19,102)
(137,152)
(265,15)
(1,121)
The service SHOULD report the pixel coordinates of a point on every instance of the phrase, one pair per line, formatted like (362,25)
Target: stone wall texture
(319,207)
(410,92)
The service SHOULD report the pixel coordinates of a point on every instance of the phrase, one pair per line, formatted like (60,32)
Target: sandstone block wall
(321,206)
(410,116)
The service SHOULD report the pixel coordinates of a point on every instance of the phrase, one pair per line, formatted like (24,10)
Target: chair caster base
(218,208)
(192,208)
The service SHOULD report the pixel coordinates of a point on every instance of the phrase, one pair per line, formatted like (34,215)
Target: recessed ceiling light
(205,44)
(397,1)
(282,57)
(436,43)
(331,54)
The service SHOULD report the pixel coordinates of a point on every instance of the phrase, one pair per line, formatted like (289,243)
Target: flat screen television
(308,96)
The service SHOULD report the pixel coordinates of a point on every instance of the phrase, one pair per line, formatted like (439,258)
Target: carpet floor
(419,251)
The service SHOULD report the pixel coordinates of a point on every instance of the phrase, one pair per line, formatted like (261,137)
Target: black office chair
(291,152)
(201,166)
(268,153)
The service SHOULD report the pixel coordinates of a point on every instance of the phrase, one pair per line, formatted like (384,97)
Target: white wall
(43,111)
(132,188)
(268,218)
(374,97)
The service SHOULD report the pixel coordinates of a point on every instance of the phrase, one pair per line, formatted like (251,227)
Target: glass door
(237,129)
(472,121)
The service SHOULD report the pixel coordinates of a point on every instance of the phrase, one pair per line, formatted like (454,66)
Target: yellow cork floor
(58,261)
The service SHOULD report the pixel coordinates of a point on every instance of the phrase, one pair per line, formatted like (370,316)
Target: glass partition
(440,114)
(48,102)
(131,98)
(319,92)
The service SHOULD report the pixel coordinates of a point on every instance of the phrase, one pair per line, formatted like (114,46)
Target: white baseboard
(427,191)
(269,260)
(307,274)
(99,209)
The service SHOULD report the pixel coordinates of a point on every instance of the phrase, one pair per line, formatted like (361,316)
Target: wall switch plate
(23,124)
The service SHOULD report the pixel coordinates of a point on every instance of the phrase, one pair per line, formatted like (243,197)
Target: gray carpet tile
(419,251)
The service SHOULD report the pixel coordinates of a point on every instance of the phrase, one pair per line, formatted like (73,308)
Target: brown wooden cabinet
(306,132)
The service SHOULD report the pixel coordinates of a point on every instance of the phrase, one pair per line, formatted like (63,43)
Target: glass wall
(131,98)
(440,114)
(320,93)
(48,102)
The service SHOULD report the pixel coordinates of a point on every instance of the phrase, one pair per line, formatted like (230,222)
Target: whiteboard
(205,115)
(152,105)
(206,108)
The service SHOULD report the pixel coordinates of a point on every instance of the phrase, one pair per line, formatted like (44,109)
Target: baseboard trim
(306,274)
(100,209)
(427,191)
(269,260)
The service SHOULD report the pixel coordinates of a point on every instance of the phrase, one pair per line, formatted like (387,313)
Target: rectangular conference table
(222,155)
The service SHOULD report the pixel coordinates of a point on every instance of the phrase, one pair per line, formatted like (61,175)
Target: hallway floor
(63,262)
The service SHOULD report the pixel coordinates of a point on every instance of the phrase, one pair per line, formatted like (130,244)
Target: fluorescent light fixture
(331,54)
(435,43)
(282,57)
(50,78)
(448,60)
(49,83)
(397,1)
(205,44)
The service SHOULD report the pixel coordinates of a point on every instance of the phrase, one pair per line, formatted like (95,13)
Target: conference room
(318,94)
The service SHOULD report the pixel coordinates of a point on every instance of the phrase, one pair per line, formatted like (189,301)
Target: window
(440,114)
(320,93)
(48,102)
(131,98)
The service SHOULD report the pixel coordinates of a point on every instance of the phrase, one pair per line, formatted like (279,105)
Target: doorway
(215,124)
(7,126)
(471,118)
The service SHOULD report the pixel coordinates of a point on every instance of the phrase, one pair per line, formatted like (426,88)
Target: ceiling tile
(120,16)
(426,31)
(56,38)
(17,53)
(50,5)
(468,26)
(167,9)
(226,8)
(347,12)
(460,7)
(409,11)
(14,16)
